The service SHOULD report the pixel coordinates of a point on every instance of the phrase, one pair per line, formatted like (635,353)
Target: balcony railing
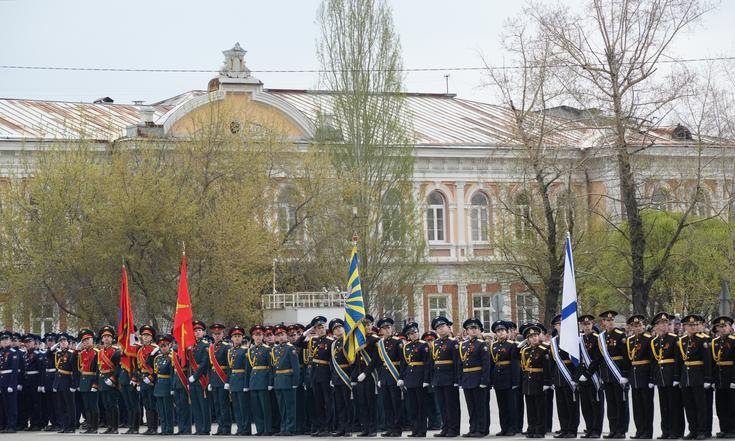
(331,299)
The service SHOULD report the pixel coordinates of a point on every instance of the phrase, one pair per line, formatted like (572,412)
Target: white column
(461,227)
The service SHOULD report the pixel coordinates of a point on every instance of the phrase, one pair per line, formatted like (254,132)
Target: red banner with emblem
(183,329)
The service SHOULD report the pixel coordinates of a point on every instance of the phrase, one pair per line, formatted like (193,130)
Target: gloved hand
(209,387)
(546,388)
(651,385)
(514,387)
(361,377)
(331,384)
(455,385)
(675,383)
(146,380)
(270,387)
(20,387)
(227,386)
(10,390)
(294,387)
(732,385)
(378,383)
(191,379)
(137,388)
(574,385)
(93,389)
(424,385)
(72,390)
(43,389)
(582,378)
(109,382)
(172,392)
(483,386)
(53,348)
(624,381)
(38,389)
(245,389)
(353,384)
(707,385)
(55,390)
(400,383)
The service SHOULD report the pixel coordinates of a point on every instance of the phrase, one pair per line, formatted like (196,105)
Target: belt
(472,369)
(694,363)
(31,372)
(641,362)
(284,371)
(63,372)
(725,363)
(238,371)
(534,370)
(444,362)
(106,371)
(260,368)
(318,361)
(50,370)
(8,371)
(164,376)
(344,366)
(416,363)
(567,361)
(666,361)
(89,373)
(617,358)
(503,363)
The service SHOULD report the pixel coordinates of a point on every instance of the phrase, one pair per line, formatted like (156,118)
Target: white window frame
(436,233)
(521,227)
(483,308)
(527,307)
(437,310)
(480,219)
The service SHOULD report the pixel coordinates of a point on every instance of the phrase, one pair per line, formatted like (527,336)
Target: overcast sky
(278,34)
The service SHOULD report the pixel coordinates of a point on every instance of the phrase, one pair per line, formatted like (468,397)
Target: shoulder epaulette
(395,338)
(647,334)
(288,343)
(96,350)
(330,338)
(421,341)
(542,346)
(629,338)
(672,334)
(702,335)
(619,331)
(595,334)
(266,346)
(452,338)
(731,336)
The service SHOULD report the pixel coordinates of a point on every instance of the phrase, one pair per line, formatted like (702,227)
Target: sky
(278,34)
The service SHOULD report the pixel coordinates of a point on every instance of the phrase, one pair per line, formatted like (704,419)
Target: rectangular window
(482,309)
(528,307)
(435,224)
(438,305)
(479,223)
(43,318)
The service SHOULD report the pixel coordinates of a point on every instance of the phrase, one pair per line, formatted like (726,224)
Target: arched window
(435,220)
(288,222)
(522,215)
(391,216)
(480,217)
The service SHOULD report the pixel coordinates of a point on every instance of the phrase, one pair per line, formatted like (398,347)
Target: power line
(415,69)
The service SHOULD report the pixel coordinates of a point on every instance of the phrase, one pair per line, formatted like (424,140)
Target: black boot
(113,422)
(133,423)
(152,422)
(92,424)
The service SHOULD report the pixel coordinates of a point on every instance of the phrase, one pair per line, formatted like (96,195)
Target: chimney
(146,116)
(234,76)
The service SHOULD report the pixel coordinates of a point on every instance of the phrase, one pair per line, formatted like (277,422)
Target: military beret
(440,320)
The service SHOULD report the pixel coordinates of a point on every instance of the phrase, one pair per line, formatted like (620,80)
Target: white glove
(227,386)
(209,387)
(109,382)
(331,384)
(38,389)
(71,389)
(10,390)
(20,387)
(245,389)
(400,383)
(146,380)
(574,385)
(514,387)
(270,387)
(294,387)
(651,385)
(137,388)
(361,377)
(546,388)
(424,384)
(93,390)
(582,378)
(624,381)
(55,390)
(707,385)
(675,383)
(353,384)
(732,385)
(378,383)
(455,385)
(191,379)
(53,348)
(172,392)
(483,386)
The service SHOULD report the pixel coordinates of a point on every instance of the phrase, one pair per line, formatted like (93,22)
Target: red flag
(126,325)
(183,329)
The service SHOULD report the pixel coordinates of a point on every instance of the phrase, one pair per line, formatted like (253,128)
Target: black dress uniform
(475,377)
(319,349)
(536,380)
(640,356)
(416,375)
(365,375)
(612,343)
(695,363)
(665,375)
(10,360)
(723,356)
(591,395)
(67,377)
(447,370)
(341,381)
(505,377)
(564,374)
(34,370)
(201,410)
(390,351)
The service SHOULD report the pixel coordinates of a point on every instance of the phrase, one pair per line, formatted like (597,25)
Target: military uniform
(88,382)
(416,370)
(591,394)
(10,360)
(198,380)
(640,356)
(695,364)
(447,370)
(536,379)
(364,375)
(65,384)
(34,370)
(218,372)
(128,381)
(504,379)
(145,374)
(341,371)
(665,374)
(390,351)
(163,387)
(474,355)
(182,397)
(285,380)
(320,355)
(49,398)
(614,366)
(564,375)
(258,380)
(237,360)
(108,359)
(723,357)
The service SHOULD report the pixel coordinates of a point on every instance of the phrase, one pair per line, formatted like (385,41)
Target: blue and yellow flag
(354,312)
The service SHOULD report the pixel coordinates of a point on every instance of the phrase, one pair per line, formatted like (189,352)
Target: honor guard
(390,350)
(695,364)
(416,370)
(34,370)
(504,377)
(474,355)
(198,380)
(614,366)
(516,337)
(591,395)
(65,384)
(128,382)
(258,381)
(218,373)
(145,373)
(341,379)
(286,379)
(238,361)
(49,397)
(432,406)
(88,379)
(365,376)
(447,370)
(10,360)
(163,388)
(665,374)
(723,357)
(182,398)
(640,356)
(564,376)
(108,363)
(316,342)
(536,379)
(302,425)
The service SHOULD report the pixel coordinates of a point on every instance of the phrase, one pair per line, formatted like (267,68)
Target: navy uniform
(591,395)
(237,360)
(695,364)
(536,377)
(665,374)
(723,357)
(145,374)
(319,348)
(638,348)
(433,413)
(564,376)
(614,366)
(108,359)
(474,355)
(504,378)
(65,384)
(218,372)
(341,371)
(390,349)
(49,397)
(514,335)
(88,381)
(302,424)
(258,381)
(286,379)
(365,376)
(416,370)
(447,370)
(10,360)
(163,388)
(198,380)
(34,370)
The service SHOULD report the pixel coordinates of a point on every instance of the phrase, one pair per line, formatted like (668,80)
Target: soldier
(237,361)
(504,378)
(665,375)
(638,348)
(447,369)
(10,360)
(316,342)
(199,364)
(390,350)
(218,373)
(365,377)
(536,380)
(34,371)
(302,425)
(416,370)
(109,363)
(50,413)
(258,381)
(474,355)
(286,379)
(88,386)
(590,385)
(433,413)
(614,366)
(695,364)
(269,338)
(145,372)
(128,382)
(564,377)
(163,389)
(182,398)
(723,356)
(341,371)
(65,384)
(516,337)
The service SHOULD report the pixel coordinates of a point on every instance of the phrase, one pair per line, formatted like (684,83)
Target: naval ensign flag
(569,333)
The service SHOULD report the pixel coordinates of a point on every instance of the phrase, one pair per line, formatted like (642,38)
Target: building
(464,167)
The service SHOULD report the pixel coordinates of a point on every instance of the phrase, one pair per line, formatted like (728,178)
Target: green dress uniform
(259,371)
(198,380)
(218,373)
(88,386)
(128,381)
(237,361)
(285,380)
(163,390)
(181,395)
(146,354)
(109,366)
